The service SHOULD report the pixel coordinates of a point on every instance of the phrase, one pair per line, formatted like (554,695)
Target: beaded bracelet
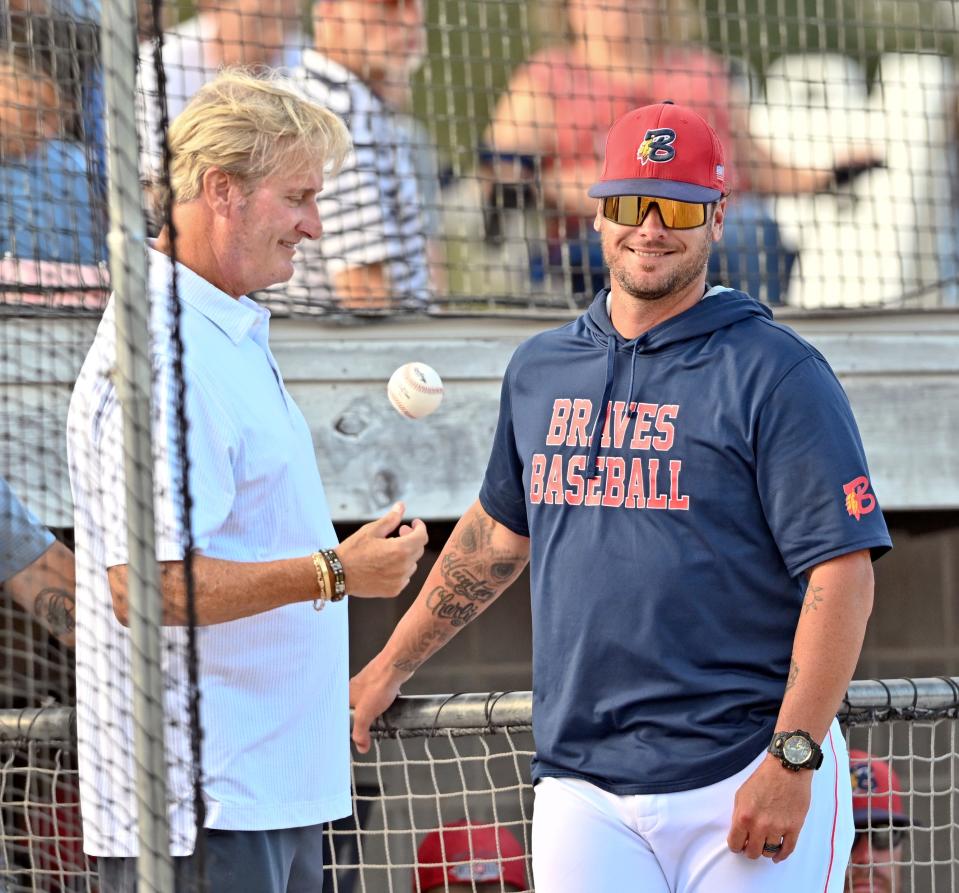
(339,577)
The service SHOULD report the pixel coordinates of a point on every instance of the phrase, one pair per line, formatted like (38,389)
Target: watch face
(797,750)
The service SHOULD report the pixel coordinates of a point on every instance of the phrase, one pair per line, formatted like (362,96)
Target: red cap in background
(876,792)
(460,853)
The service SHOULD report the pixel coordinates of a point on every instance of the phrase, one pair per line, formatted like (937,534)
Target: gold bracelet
(322,571)
(327,578)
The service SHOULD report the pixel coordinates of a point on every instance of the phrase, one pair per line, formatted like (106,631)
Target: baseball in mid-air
(415,390)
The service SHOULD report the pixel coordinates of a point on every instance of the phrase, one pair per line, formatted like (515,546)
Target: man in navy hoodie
(686,478)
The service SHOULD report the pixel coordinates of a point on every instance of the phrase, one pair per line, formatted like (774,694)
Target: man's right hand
(371,693)
(377,565)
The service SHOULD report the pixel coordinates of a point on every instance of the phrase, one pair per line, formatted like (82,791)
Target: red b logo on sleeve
(859,501)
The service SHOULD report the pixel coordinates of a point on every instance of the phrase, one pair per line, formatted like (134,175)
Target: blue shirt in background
(49,211)
(23,539)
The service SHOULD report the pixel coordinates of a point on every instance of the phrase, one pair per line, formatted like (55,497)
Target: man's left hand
(769,807)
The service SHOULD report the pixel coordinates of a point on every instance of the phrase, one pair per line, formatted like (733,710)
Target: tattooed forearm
(443,605)
(813,598)
(54,608)
(793,674)
(479,561)
(428,642)
(477,534)
(474,568)
(462,579)
(504,569)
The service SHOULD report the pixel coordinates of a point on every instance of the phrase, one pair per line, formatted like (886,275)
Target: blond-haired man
(248,160)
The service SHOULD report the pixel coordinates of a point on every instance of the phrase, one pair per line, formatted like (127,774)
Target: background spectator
(376,244)
(36,570)
(225,32)
(461,855)
(881,821)
(552,120)
(52,209)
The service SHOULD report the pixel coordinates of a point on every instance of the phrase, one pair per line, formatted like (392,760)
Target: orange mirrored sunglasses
(632,210)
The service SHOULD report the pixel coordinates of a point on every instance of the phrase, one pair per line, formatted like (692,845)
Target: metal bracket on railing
(459,713)
(38,724)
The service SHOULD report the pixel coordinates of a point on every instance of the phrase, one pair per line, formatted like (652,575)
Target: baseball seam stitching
(416,386)
(400,407)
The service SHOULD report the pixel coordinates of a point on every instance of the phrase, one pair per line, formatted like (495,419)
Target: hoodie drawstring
(632,405)
(592,465)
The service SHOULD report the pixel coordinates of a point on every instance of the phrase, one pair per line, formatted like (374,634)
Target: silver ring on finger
(770,849)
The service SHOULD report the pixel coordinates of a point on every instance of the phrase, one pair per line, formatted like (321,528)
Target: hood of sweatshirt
(720,307)
(666,588)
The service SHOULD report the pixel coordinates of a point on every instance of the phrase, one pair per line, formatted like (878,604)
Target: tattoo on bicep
(793,674)
(54,608)
(813,598)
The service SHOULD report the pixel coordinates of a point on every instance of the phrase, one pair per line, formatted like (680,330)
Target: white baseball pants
(586,840)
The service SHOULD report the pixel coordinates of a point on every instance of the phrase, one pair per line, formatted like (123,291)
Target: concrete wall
(901,371)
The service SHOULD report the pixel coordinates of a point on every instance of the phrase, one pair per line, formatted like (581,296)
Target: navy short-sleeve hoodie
(675,489)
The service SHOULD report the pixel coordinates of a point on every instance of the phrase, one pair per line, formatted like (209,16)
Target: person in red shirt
(550,126)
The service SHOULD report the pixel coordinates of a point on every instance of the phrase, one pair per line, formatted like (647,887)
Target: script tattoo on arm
(793,674)
(444,606)
(472,572)
(54,608)
(813,598)
(464,580)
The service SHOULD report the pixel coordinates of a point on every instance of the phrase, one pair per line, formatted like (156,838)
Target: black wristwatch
(796,750)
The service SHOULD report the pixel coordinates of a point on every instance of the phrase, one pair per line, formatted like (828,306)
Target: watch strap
(776,749)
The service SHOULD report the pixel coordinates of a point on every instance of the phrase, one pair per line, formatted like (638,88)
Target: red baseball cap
(663,151)
(876,792)
(460,853)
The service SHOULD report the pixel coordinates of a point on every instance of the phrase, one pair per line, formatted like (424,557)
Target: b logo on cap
(657,146)
(863,781)
(476,871)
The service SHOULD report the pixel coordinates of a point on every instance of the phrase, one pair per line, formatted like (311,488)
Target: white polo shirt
(273,687)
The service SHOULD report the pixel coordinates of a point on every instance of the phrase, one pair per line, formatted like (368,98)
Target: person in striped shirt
(378,245)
